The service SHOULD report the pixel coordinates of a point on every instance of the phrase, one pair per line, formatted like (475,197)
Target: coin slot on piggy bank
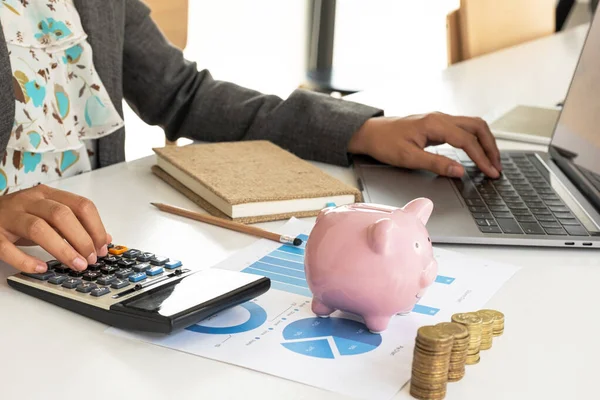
(371,260)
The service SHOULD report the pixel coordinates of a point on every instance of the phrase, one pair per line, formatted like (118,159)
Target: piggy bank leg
(377,324)
(321,309)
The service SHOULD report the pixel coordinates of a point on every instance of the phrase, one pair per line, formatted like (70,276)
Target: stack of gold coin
(460,346)
(498,328)
(473,323)
(430,364)
(487,327)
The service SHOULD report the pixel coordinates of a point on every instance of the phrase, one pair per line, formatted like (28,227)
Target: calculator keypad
(159,260)
(86,287)
(137,277)
(71,283)
(117,250)
(44,276)
(91,276)
(120,270)
(106,280)
(57,279)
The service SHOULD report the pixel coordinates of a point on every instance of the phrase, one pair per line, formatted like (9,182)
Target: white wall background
(261,44)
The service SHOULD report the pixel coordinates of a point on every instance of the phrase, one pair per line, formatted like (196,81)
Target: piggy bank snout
(429,274)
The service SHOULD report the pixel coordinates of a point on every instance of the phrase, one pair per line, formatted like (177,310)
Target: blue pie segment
(309,337)
(314,348)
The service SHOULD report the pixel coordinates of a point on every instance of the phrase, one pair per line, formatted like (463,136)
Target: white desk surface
(549,350)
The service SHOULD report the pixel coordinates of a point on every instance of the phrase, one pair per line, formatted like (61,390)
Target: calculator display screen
(191,292)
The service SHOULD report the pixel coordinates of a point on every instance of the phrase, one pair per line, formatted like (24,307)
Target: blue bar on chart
(446,280)
(285,268)
(421,309)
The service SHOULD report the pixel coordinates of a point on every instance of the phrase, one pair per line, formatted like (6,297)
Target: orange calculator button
(117,250)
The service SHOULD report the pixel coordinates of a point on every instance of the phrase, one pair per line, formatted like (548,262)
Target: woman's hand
(65,225)
(401,142)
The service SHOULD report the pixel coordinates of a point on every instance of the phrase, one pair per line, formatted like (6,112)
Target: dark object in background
(593,5)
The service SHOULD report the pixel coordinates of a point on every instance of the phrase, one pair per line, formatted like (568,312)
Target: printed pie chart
(244,318)
(314,337)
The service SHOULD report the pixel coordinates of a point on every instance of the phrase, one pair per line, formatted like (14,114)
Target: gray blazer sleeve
(166,90)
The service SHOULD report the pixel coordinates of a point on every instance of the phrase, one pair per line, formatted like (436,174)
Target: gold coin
(485,346)
(430,334)
(474,359)
(496,314)
(422,394)
(486,318)
(467,318)
(459,331)
(425,385)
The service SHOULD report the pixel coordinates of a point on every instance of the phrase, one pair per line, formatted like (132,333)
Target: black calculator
(137,290)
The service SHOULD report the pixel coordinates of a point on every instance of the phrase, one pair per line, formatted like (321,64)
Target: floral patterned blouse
(60,101)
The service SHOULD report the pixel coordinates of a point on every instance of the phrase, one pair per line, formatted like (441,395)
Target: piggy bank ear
(379,236)
(421,208)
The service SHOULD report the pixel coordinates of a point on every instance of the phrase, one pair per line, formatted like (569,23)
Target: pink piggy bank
(371,260)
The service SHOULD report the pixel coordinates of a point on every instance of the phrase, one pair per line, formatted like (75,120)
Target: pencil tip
(154,204)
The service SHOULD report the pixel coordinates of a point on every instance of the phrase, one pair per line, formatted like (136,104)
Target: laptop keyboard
(520,202)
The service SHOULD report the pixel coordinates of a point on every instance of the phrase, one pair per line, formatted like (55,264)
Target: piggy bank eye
(416,245)
(429,240)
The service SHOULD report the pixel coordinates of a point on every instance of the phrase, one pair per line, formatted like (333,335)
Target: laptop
(547,199)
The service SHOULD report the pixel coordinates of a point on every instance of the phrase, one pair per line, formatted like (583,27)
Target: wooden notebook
(250,181)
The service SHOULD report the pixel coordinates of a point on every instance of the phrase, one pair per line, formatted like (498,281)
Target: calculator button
(145,257)
(173,264)
(118,284)
(52,263)
(61,269)
(124,273)
(110,246)
(159,260)
(141,267)
(100,291)
(110,260)
(86,287)
(132,253)
(57,279)
(140,276)
(155,271)
(71,283)
(75,274)
(95,267)
(124,263)
(106,279)
(117,250)
(91,276)
(44,276)
(108,269)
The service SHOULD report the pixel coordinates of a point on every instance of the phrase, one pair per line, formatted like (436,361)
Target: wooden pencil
(235,226)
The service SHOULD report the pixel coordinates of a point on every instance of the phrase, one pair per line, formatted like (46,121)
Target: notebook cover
(248,172)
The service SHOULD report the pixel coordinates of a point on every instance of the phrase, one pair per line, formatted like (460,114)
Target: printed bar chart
(285,267)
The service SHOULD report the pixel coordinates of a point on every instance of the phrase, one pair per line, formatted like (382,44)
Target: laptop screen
(577,133)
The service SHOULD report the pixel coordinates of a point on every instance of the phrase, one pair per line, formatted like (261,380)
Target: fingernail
(455,171)
(103,251)
(41,268)
(80,263)
(92,258)
(495,172)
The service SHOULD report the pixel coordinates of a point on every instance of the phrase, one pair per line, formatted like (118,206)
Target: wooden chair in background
(480,27)
(171,16)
